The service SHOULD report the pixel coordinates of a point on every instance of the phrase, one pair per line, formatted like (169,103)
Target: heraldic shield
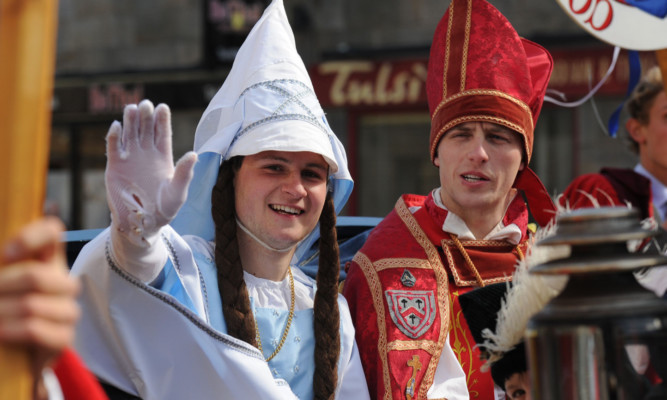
(413,311)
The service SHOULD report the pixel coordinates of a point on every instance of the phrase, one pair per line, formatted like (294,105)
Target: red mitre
(481,70)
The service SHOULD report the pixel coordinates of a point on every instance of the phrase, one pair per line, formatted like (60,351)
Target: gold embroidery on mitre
(445,66)
(466,43)
(479,118)
(484,92)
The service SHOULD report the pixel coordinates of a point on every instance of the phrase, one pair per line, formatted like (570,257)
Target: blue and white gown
(168,340)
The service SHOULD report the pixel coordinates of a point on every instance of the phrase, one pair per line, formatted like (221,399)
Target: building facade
(367,60)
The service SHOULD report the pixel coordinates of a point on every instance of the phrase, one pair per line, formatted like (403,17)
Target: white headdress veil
(266,103)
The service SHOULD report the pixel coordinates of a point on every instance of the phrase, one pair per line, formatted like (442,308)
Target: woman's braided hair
(234,294)
(327,316)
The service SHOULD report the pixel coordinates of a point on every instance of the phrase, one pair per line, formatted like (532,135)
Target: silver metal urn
(604,336)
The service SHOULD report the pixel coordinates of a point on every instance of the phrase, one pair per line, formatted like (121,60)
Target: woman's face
(280,195)
(517,386)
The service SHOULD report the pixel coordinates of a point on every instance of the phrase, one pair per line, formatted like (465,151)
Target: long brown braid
(231,285)
(234,294)
(327,318)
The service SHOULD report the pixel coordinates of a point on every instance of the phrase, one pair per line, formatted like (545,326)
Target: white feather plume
(526,295)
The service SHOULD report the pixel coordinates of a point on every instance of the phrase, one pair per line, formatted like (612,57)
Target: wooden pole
(27,63)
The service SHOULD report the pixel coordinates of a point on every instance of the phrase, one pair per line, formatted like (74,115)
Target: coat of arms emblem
(413,311)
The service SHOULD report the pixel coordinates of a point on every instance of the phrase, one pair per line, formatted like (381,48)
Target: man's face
(652,138)
(478,163)
(280,195)
(517,386)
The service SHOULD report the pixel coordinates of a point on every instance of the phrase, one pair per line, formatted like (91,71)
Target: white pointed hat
(266,103)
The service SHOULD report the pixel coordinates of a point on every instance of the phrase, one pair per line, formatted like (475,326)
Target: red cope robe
(610,187)
(76,382)
(402,323)
(614,187)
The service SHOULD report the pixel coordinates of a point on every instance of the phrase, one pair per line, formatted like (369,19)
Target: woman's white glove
(144,189)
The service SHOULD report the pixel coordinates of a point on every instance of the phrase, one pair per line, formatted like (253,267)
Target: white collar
(271,294)
(454,224)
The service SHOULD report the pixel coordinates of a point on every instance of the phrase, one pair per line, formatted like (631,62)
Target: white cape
(144,342)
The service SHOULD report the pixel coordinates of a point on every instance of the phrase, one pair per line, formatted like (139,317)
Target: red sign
(370,83)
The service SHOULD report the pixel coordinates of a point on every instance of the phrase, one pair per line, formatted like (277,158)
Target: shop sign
(369,83)
(402,83)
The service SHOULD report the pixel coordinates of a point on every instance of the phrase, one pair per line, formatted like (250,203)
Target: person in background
(645,186)
(39,311)
(485,89)
(192,292)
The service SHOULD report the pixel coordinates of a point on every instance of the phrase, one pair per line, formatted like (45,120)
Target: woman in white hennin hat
(196,297)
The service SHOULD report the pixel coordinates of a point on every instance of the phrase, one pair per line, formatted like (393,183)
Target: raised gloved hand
(144,189)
